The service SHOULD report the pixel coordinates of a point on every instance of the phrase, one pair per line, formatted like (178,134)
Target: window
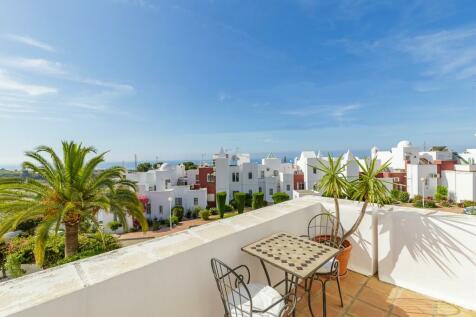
(167,183)
(262,174)
(278,189)
(314,170)
(235,177)
(155,188)
(301,186)
(260,190)
(161,210)
(210,178)
(195,201)
(288,187)
(250,175)
(250,192)
(211,197)
(148,209)
(178,201)
(275,173)
(271,191)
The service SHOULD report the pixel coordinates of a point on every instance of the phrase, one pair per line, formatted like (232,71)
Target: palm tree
(368,188)
(333,183)
(69,191)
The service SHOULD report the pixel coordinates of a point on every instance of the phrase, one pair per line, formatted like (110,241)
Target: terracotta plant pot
(343,257)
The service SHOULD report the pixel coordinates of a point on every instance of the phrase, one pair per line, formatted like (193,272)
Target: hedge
(240,199)
(279,197)
(221,201)
(257,200)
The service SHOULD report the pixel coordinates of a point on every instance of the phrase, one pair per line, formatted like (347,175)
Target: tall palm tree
(333,183)
(368,188)
(70,190)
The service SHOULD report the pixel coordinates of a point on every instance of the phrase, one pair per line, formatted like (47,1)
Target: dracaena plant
(368,188)
(69,190)
(333,182)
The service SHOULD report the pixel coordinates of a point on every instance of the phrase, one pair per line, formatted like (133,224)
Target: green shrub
(177,211)
(280,197)
(395,194)
(240,202)
(155,224)
(114,225)
(175,220)
(228,208)
(221,202)
(196,212)
(428,203)
(248,200)
(441,192)
(205,214)
(3,257)
(213,211)
(417,197)
(13,265)
(20,249)
(257,200)
(468,203)
(404,197)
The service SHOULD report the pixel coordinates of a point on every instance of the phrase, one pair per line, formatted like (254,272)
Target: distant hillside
(8,173)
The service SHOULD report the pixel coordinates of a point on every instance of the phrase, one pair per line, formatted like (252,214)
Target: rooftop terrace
(415,251)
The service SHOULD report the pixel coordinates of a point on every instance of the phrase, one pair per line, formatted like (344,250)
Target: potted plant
(367,188)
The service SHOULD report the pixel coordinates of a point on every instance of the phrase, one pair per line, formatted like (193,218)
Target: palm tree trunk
(71,238)
(357,222)
(336,204)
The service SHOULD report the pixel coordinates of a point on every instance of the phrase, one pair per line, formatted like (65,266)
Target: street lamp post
(170,208)
(423,179)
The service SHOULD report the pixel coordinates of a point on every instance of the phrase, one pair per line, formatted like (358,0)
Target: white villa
(169,186)
(236,173)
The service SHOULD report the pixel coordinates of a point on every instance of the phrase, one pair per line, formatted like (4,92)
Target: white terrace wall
(433,253)
(170,276)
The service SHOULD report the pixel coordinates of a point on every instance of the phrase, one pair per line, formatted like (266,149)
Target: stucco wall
(433,253)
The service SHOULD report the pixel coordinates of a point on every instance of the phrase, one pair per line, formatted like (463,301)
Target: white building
(469,156)
(236,173)
(421,179)
(461,182)
(169,181)
(404,153)
(309,164)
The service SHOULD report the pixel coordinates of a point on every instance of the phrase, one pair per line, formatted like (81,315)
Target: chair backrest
(234,293)
(323,228)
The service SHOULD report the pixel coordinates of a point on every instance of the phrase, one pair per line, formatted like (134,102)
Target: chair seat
(262,297)
(326,268)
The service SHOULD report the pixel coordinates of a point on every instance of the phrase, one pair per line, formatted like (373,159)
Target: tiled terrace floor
(368,297)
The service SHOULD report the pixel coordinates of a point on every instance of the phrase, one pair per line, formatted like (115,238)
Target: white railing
(171,276)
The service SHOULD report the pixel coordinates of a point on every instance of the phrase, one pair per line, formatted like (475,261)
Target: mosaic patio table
(298,257)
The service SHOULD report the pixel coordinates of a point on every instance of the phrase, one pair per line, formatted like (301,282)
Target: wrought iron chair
(241,298)
(324,228)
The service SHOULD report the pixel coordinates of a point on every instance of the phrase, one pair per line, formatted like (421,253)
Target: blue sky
(176,79)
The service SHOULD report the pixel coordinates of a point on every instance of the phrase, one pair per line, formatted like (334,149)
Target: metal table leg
(266,272)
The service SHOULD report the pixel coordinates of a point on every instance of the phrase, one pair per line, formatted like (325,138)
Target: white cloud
(23,39)
(337,112)
(9,84)
(446,53)
(33,64)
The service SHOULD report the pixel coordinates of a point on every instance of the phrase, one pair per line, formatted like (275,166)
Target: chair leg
(340,293)
(324,308)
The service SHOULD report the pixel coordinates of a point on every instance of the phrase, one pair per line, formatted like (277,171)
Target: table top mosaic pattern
(293,254)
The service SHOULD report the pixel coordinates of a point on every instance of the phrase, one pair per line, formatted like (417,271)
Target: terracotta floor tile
(447,310)
(358,278)
(388,289)
(375,298)
(361,309)
(413,307)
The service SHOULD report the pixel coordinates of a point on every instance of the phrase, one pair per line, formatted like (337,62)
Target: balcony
(398,255)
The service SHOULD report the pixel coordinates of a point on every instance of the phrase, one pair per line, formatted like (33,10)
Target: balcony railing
(433,253)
